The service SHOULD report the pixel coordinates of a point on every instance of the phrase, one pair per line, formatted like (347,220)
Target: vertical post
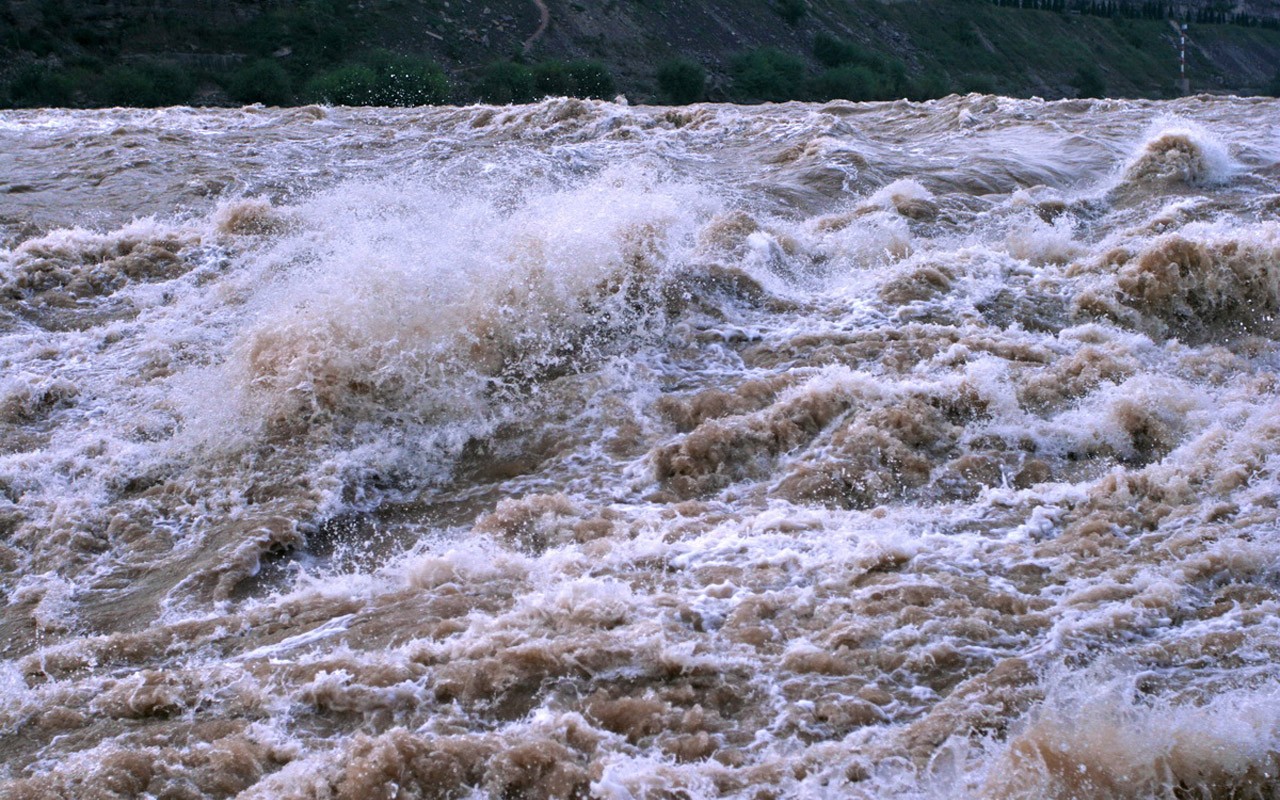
(1183,82)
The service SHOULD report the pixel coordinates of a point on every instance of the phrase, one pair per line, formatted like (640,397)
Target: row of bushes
(84,84)
(848,71)
(385,79)
(510,82)
(379,78)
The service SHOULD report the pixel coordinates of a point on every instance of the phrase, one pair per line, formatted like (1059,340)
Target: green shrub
(143,86)
(261,81)
(505,82)
(37,86)
(833,52)
(682,81)
(792,11)
(1088,82)
(348,85)
(929,86)
(767,74)
(850,83)
(591,79)
(888,76)
(174,84)
(407,80)
(509,82)
(894,74)
(552,79)
(981,84)
(124,86)
(383,79)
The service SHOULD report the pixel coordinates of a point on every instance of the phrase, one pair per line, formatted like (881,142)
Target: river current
(580,449)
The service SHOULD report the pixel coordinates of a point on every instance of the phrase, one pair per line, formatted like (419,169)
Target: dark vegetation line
(325,51)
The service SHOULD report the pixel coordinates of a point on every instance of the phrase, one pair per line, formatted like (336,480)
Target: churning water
(577,449)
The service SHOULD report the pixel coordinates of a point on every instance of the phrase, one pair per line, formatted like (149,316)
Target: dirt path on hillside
(544,19)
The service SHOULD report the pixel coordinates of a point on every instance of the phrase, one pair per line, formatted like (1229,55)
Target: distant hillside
(159,52)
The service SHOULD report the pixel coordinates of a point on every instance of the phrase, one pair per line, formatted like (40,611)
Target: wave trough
(580,449)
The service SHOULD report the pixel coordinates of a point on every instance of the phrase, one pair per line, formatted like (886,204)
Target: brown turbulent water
(578,449)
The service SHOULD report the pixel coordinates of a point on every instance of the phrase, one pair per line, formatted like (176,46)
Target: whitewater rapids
(586,450)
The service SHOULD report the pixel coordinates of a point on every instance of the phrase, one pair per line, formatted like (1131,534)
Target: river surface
(585,450)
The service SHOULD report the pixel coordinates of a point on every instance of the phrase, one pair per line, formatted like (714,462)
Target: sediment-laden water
(578,449)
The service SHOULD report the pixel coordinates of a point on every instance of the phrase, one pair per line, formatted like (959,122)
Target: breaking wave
(588,450)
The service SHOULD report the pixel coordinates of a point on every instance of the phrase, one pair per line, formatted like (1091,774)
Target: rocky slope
(967,45)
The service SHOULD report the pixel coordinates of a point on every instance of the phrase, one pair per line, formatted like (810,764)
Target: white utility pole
(1184,83)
